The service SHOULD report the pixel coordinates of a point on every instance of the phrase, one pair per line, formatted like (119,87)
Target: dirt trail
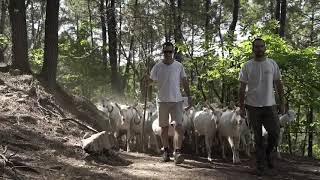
(42,145)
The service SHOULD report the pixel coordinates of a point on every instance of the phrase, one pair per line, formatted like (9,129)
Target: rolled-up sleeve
(154,72)
(276,73)
(183,72)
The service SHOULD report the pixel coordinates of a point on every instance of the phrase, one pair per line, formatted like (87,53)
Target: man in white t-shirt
(259,76)
(167,75)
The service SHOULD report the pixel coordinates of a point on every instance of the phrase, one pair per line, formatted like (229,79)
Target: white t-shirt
(259,76)
(168,78)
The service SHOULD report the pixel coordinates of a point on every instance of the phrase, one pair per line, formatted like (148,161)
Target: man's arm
(280,91)
(147,80)
(185,84)
(242,90)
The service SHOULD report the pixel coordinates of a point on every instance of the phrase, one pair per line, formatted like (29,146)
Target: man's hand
(283,109)
(189,103)
(242,112)
(147,80)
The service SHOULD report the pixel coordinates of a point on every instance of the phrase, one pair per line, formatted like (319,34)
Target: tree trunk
(130,57)
(220,33)
(90,21)
(283,17)
(297,121)
(17,13)
(38,35)
(33,32)
(119,40)
(178,37)
(104,32)
(235,14)
(277,14)
(49,68)
(310,132)
(2,26)
(112,35)
(208,26)
(271,9)
(312,32)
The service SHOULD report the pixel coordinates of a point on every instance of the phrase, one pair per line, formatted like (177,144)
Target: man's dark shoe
(165,156)
(178,158)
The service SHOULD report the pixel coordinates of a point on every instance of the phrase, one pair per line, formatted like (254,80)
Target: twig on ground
(81,124)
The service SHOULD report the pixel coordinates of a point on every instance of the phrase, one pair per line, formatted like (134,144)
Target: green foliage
(4,41)
(36,59)
(80,66)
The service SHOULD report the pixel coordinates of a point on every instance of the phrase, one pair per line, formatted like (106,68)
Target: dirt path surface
(37,143)
(144,166)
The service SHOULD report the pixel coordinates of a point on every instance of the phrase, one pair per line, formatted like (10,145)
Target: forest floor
(36,143)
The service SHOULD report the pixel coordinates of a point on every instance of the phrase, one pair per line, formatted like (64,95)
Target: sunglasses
(167,51)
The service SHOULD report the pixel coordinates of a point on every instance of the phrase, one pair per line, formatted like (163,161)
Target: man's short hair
(257,39)
(166,44)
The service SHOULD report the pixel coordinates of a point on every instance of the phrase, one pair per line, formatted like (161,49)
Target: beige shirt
(168,78)
(259,77)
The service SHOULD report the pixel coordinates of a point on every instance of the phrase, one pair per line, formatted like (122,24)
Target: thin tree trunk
(49,68)
(312,32)
(33,32)
(77,28)
(220,33)
(112,36)
(289,139)
(277,14)
(192,77)
(120,38)
(90,21)
(17,13)
(38,36)
(271,9)
(2,27)
(298,121)
(235,14)
(104,32)
(177,22)
(310,132)
(283,17)
(129,58)
(306,135)
(208,29)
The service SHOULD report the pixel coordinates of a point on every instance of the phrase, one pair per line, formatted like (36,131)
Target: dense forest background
(102,48)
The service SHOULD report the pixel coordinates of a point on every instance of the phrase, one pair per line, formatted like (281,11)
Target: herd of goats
(217,126)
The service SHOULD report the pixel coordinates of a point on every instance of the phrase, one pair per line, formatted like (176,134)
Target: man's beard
(259,54)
